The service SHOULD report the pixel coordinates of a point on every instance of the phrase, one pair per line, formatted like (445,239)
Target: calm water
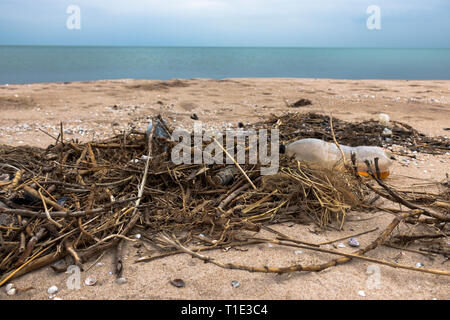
(48,64)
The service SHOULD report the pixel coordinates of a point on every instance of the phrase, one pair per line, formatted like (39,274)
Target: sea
(33,64)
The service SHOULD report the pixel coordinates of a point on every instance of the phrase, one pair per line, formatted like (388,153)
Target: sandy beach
(100,108)
(30,114)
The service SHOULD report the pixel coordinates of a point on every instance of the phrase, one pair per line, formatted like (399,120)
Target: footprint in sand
(188,106)
(426,91)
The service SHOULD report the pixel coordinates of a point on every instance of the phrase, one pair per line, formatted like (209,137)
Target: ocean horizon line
(213,79)
(219,47)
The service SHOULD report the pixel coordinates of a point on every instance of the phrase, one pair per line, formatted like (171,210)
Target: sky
(267,23)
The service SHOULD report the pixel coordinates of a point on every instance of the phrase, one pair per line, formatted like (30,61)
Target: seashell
(11,291)
(235,284)
(352,242)
(121,280)
(59,266)
(386,132)
(419,265)
(361,293)
(90,281)
(384,119)
(52,290)
(9,286)
(179,283)
(341,245)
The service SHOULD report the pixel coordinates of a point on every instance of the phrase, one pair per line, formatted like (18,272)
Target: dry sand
(97,109)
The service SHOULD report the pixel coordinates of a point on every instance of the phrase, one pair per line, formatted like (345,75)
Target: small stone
(179,283)
(52,290)
(298,251)
(56,298)
(419,265)
(352,242)
(90,281)
(270,245)
(235,284)
(361,293)
(137,236)
(341,245)
(121,280)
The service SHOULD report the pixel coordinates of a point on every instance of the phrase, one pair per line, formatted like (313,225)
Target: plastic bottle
(327,155)
(159,131)
(225,176)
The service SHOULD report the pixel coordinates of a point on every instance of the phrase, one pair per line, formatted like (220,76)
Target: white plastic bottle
(327,155)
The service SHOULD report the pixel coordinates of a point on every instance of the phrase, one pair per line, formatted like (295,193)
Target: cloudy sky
(320,23)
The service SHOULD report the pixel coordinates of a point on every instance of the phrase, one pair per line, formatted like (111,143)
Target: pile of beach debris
(76,200)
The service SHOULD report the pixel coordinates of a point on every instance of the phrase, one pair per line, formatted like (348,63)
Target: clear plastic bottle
(327,155)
